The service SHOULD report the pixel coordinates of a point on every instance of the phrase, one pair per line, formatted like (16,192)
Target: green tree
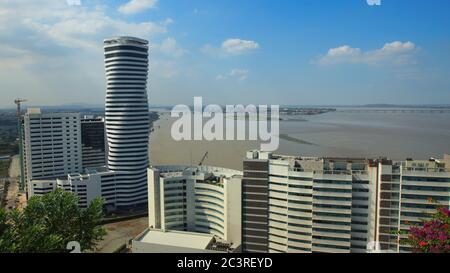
(49,222)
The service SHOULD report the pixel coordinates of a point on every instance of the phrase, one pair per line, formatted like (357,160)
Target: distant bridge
(406,111)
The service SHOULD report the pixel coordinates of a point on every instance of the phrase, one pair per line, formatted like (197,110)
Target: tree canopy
(49,223)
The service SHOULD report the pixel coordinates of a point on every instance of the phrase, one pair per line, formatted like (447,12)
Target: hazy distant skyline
(299,52)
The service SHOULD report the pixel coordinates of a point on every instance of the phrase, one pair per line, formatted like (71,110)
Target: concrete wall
(193,181)
(233,191)
(447,161)
(154,216)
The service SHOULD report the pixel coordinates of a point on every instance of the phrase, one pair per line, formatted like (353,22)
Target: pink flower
(432,236)
(434,249)
(445,211)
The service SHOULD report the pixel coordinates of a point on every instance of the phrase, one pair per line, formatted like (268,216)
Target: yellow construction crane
(18,102)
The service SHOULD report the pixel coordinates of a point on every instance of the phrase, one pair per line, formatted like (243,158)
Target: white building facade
(52,145)
(86,187)
(409,191)
(127,117)
(198,199)
(336,205)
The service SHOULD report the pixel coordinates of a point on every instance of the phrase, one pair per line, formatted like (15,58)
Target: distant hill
(75,106)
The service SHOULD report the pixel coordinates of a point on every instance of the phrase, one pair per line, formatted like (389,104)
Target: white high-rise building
(300,204)
(54,156)
(304,204)
(60,150)
(197,199)
(52,145)
(127,117)
(408,192)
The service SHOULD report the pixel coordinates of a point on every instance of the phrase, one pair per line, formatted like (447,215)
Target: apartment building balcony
(421,171)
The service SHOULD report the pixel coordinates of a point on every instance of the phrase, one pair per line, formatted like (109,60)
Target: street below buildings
(14,168)
(119,233)
(14,197)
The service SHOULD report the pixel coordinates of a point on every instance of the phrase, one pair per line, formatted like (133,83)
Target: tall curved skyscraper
(127,118)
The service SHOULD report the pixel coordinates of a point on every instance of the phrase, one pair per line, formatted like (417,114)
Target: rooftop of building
(101,169)
(48,180)
(184,239)
(125,40)
(300,163)
(82,176)
(38,111)
(211,172)
(431,165)
(176,238)
(270,155)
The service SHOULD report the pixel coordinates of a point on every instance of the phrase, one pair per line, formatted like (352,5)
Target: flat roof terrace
(180,239)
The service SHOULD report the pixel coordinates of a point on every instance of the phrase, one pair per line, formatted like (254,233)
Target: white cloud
(74,2)
(395,53)
(240,74)
(15,58)
(221,77)
(167,22)
(75,27)
(165,69)
(137,6)
(210,50)
(343,51)
(170,47)
(58,48)
(230,47)
(238,46)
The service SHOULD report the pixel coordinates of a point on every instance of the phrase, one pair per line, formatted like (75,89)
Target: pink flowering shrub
(433,236)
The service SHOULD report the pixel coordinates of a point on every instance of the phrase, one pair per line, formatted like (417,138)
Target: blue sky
(305,52)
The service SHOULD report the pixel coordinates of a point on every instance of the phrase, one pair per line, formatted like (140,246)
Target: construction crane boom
(203,159)
(18,102)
